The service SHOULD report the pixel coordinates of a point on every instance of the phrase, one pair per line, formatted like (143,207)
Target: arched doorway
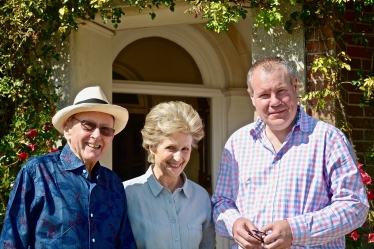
(156,59)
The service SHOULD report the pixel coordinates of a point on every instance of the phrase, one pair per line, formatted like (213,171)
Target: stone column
(91,64)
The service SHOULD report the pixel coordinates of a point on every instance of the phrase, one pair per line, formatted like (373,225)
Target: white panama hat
(91,99)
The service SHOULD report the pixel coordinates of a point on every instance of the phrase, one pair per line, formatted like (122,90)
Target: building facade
(144,62)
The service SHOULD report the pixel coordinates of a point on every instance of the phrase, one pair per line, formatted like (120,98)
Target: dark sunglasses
(258,235)
(91,126)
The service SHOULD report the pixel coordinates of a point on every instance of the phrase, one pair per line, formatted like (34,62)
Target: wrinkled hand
(280,236)
(240,231)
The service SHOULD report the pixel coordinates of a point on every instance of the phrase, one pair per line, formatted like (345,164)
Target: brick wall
(361,119)
(317,43)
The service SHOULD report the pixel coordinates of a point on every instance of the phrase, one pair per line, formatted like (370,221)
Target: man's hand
(280,236)
(240,231)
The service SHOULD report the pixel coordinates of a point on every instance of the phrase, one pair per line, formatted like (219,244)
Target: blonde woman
(166,210)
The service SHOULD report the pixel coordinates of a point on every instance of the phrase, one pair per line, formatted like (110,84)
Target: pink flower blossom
(354,235)
(371,237)
(359,165)
(23,156)
(365,177)
(32,146)
(32,133)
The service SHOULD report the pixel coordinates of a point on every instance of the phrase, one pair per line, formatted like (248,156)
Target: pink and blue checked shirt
(312,181)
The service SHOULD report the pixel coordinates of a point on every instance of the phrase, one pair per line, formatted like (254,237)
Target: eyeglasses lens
(91,126)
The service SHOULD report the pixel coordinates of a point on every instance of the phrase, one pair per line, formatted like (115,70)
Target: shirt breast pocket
(195,234)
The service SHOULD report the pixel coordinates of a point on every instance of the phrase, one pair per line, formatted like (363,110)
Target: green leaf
(153,15)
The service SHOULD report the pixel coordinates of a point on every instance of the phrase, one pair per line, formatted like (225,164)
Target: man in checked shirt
(289,175)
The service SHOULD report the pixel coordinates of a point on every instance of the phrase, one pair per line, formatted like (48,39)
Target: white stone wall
(278,42)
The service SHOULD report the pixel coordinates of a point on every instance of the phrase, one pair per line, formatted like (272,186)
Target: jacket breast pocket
(195,234)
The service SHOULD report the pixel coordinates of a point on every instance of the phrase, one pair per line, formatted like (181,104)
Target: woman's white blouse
(162,220)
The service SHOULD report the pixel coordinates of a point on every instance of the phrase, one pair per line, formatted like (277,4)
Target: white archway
(214,85)
(209,65)
(188,38)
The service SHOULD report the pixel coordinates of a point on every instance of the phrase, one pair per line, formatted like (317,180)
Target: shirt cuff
(299,228)
(231,223)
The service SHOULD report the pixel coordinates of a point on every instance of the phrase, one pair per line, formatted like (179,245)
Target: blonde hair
(168,117)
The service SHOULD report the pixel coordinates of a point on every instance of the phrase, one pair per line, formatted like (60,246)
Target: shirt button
(84,171)
(93,240)
(176,238)
(91,215)
(173,220)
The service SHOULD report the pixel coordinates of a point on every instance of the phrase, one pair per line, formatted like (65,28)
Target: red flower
(32,133)
(53,150)
(370,195)
(359,165)
(32,146)
(354,235)
(365,177)
(371,237)
(46,128)
(23,156)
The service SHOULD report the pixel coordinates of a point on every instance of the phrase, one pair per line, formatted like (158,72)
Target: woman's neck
(171,183)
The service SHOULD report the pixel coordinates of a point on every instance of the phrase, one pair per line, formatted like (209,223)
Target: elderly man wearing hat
(66,199)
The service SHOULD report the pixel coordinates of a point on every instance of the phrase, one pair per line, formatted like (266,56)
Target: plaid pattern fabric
(312,181)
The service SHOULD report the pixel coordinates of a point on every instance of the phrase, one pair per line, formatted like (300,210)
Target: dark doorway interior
(129,157)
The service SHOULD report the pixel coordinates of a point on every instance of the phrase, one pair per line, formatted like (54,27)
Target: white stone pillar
(91,63)
(240,110)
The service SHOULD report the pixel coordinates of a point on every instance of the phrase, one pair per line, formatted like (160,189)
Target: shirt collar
(301,121)
(70,161)
(304,121)
(156,187)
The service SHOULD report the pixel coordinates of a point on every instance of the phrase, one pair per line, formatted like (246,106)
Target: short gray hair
(168,117)
(269,64)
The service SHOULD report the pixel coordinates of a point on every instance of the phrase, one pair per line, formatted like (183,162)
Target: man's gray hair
(269,64)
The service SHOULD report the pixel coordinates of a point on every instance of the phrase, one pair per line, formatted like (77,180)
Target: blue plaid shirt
(312,181)
(54,205)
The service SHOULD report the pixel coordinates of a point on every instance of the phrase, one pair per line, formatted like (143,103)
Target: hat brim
(119,113)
